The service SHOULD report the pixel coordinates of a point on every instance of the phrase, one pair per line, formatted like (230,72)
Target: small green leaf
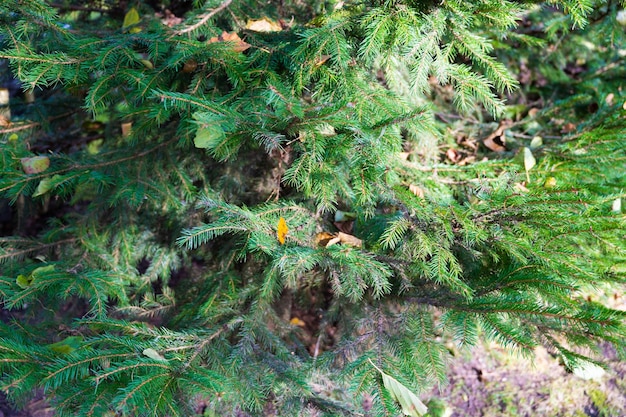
(42,270)
(24,281)
(153,354)
(536,142)
(67,345)
(93,147)
(410,404)
(45,185)
(147,63)
(35,165)
(207,136)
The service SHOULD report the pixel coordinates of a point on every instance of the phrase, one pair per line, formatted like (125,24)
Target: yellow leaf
(131,18)
(263,25)
(297,322)
(93,147)
(550,182)
(282,230)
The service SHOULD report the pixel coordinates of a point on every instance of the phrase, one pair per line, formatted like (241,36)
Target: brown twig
(35,124)
(204,18)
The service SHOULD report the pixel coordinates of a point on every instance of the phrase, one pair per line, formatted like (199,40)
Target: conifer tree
(283,208)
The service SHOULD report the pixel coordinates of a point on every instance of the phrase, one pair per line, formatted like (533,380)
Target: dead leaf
(322,238)
(35,165)
(419,192)
(533,112)
(333,241)
(497,140)
(190,66)
(126,129)
(350,240)
(321,60)
(568,128)
(263,25)
(453,155)
(519,186)
(170,19)
(238,44)
(4,122)
(609,99)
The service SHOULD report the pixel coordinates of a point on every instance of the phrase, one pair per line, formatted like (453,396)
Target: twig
(17,128)
(204,18)
(79,8)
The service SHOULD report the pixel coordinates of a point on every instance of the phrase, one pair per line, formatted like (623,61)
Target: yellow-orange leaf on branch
(297,322)
(282,230)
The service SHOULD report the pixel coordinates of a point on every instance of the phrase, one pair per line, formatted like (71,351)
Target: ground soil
(490,382)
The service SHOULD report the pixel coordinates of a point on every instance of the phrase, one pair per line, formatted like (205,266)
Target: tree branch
(204,18)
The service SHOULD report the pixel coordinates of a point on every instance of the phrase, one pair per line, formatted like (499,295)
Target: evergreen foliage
(142,269)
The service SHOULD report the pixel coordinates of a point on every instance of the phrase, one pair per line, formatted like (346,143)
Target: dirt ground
(490,382)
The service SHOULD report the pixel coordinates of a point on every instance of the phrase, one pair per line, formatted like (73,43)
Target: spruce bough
(248,210)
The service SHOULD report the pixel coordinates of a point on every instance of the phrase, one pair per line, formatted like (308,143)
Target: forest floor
(490,382)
